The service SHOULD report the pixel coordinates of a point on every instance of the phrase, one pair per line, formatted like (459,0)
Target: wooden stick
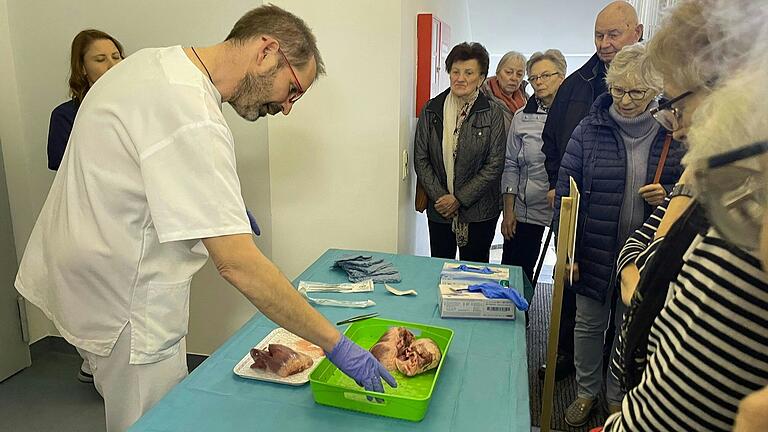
(565,231)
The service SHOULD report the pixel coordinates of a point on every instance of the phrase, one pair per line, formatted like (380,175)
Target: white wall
(529,26)
(34,70)
(334,160)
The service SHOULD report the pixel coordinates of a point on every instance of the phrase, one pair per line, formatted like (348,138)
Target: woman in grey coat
(525,182)
(459,157)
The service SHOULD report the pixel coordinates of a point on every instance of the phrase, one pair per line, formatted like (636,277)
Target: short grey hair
(296,39)
(628,65)
(554,55)
(510,56)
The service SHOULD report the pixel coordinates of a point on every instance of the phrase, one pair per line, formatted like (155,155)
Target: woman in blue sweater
(93,53)
(623,163)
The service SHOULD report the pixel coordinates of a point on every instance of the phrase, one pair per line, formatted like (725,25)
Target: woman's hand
(629,276)
(448,206)
(751,416)
(508,225)
(575,266)
(653,194)
(551,198)
(509,222)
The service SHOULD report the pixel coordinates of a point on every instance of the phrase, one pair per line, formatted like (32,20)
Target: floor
(48,397)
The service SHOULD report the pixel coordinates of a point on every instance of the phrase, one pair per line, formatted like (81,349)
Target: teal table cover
(483,385)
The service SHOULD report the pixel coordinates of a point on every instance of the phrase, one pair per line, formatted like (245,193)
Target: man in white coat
(148,189)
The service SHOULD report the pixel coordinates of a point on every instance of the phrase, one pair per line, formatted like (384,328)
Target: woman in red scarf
(508,86)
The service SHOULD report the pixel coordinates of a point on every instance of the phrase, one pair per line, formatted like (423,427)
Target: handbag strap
(663,158)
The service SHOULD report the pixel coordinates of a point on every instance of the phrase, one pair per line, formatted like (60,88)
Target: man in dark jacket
(616,26)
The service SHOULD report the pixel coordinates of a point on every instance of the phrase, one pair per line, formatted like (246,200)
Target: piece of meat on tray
(392,344)
(280,359)
(421,356)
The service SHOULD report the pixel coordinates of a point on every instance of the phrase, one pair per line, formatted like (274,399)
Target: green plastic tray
(409,401)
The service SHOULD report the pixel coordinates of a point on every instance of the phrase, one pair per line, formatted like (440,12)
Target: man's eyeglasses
(543,77)
(667,115)
(298,92)
(634,94)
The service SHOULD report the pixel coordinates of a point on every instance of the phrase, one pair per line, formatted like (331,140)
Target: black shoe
(564,368)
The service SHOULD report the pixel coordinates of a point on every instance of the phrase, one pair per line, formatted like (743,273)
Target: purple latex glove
(360,365)
(252,221)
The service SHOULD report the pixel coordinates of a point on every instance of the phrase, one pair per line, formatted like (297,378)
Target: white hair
(508,57)
(735,113)
(701,41)
(554,55)
(627,65)
(733,116)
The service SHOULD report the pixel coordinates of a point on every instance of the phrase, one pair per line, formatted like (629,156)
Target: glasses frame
(716,207)
(627,92)
(300,90)
(533,78)
(737,155)
(659,112)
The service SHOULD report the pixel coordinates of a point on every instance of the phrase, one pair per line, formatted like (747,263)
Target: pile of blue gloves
(362,267)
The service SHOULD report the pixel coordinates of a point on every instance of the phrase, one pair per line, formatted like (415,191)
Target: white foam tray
(284,337)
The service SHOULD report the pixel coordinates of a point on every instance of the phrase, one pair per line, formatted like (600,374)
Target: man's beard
(250,97)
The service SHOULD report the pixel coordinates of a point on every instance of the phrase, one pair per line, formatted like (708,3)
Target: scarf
(455,111)
(514,102)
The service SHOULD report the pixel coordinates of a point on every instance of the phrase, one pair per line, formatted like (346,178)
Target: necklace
(201,62)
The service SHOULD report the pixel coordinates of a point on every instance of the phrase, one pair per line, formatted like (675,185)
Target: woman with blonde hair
(507,87)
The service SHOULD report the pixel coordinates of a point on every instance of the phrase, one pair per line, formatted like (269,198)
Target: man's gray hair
(296,39)
(554,55)
(628,65)
(508,57)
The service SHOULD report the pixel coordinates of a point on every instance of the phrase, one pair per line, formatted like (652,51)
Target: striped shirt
(708,348)
(638,250)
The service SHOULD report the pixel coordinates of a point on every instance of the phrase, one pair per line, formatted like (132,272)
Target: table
(483,385)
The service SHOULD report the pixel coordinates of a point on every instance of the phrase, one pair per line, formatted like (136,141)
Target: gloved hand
(252,221)
(360,365)
(495,290)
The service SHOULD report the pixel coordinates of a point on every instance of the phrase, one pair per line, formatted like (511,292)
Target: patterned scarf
(455,111)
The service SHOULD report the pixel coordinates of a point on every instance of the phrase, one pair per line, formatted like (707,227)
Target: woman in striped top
(707,348)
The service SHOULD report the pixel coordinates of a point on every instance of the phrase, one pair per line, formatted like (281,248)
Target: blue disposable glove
(495,290)
(360,365)
(252,221)
(473,269)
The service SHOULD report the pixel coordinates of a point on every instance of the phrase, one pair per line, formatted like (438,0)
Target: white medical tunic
(149,171)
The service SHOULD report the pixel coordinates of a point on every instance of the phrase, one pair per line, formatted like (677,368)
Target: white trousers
(131,390)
